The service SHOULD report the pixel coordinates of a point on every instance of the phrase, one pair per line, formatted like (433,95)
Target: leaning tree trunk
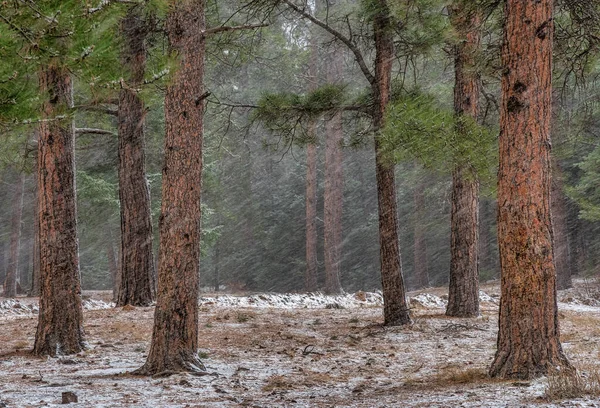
(137,260)
(528,336)
(10,281)
(60,322)
(175,335)
(463,293)
(395,308)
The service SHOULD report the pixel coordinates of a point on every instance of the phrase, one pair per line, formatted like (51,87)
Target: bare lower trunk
(217,271)
(395,308)
(311,275)
(137,260)
(463,293)
(334,185)
(528,335)
(35,272)
(175,334)
(562,261)
(311,218)
(420,250)
(10,282)
(60,322)
(113,267)
(333,196)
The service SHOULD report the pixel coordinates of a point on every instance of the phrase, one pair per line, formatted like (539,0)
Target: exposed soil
(292,350)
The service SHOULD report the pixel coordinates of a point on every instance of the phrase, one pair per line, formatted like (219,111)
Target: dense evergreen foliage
(256,134)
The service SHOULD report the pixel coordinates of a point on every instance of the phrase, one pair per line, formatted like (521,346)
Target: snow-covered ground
(291,350)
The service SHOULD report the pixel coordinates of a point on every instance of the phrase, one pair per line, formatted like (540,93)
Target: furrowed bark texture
(10,282)
(175,334)
(137,286)
(463,293)
(60,321)
(395,309)
(528,336)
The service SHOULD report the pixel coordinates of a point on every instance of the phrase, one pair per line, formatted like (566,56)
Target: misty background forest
(254,180)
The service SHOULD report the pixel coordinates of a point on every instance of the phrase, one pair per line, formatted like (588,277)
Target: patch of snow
(296,300)
(94,304)
(428,301)
(15,307)
(484,297)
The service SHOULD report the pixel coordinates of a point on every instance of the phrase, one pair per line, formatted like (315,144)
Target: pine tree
(136,266)
(528,336)
(463,296)
(175,333)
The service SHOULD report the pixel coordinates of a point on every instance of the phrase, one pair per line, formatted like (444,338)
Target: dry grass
(456,376)
(569,384)
(277,382)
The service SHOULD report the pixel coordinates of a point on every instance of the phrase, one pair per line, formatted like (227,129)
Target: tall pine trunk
(528,336)
(421,269)
(35,271)
(175,335)
(136,283)
(10,281)
(311,277)
(334,185)
(562,256)
(60,322)
(395,309)
(463,293)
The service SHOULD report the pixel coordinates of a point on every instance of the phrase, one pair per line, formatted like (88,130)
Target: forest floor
(294,351)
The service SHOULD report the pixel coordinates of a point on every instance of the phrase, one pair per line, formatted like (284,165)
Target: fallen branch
(310,350)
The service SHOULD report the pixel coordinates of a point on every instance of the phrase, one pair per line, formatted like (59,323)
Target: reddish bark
(395,309)
(463,293)
(60,322)
(136,274)
(528,336)
(175,335)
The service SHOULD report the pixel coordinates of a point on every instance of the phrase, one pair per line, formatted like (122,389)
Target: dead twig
(310,350)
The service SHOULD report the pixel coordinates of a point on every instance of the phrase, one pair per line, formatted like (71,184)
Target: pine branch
(338,35)
(19,30)
(105,3)
(10,78)
(223,29)
(93,131)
